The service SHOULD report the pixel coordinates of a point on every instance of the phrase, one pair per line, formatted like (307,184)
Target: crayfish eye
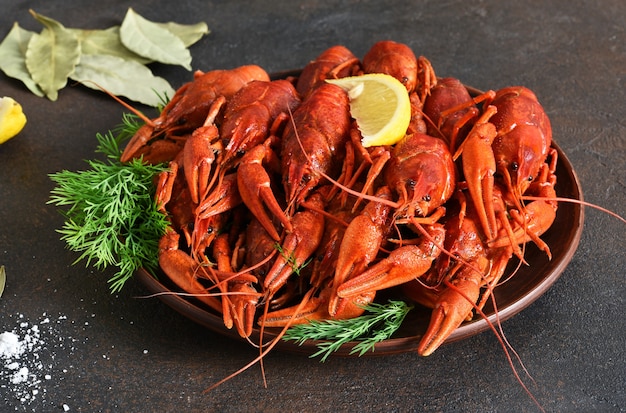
(411,183)
(405,80)
(530,178)
(426,198)
(514,166)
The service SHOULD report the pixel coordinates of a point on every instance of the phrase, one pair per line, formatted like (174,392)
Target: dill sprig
(111,216)
(291,259)
(368,329)
(111,144)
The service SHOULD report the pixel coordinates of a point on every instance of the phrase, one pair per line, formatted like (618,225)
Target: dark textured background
(571,53)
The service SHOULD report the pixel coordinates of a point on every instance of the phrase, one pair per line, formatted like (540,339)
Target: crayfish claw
(454,306)
(254,187)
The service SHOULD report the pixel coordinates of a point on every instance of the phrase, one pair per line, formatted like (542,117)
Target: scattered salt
(25,358)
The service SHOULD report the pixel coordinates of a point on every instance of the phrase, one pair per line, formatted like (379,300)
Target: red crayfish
(269,155)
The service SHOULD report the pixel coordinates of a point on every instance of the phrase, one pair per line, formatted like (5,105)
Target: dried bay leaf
(152,41)
(13,57)
(44,62)
(52,55)
(188,33)
(122,77)
(106,41)
(3,279)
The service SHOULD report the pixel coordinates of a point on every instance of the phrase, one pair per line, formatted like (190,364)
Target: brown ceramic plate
(519,292)
(516,294)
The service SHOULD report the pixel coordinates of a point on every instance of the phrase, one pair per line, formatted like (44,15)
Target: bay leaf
(3,279)
(52,55)
(152,41)
(13,57)
(188,33)
(106,41)
(122,78)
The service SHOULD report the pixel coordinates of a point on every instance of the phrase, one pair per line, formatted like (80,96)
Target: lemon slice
(12,119)
(380,105)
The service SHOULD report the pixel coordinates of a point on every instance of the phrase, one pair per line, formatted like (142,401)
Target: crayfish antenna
(137,112)
(264,350)
(504,343)
(506,346)
(575,201)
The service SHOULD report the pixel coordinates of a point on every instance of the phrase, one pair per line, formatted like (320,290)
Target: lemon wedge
(12,118)
(380,105)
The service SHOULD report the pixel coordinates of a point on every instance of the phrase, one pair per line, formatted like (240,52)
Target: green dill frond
(164,100)
(110,143)
(378,324)
(112,219)
(129,126)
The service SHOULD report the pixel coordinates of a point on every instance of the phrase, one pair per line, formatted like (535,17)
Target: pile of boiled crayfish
(279,215)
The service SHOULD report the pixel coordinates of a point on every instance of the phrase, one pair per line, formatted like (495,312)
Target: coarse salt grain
(10,345)
(20,376)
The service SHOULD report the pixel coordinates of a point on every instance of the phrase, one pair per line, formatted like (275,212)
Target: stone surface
(124,353)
